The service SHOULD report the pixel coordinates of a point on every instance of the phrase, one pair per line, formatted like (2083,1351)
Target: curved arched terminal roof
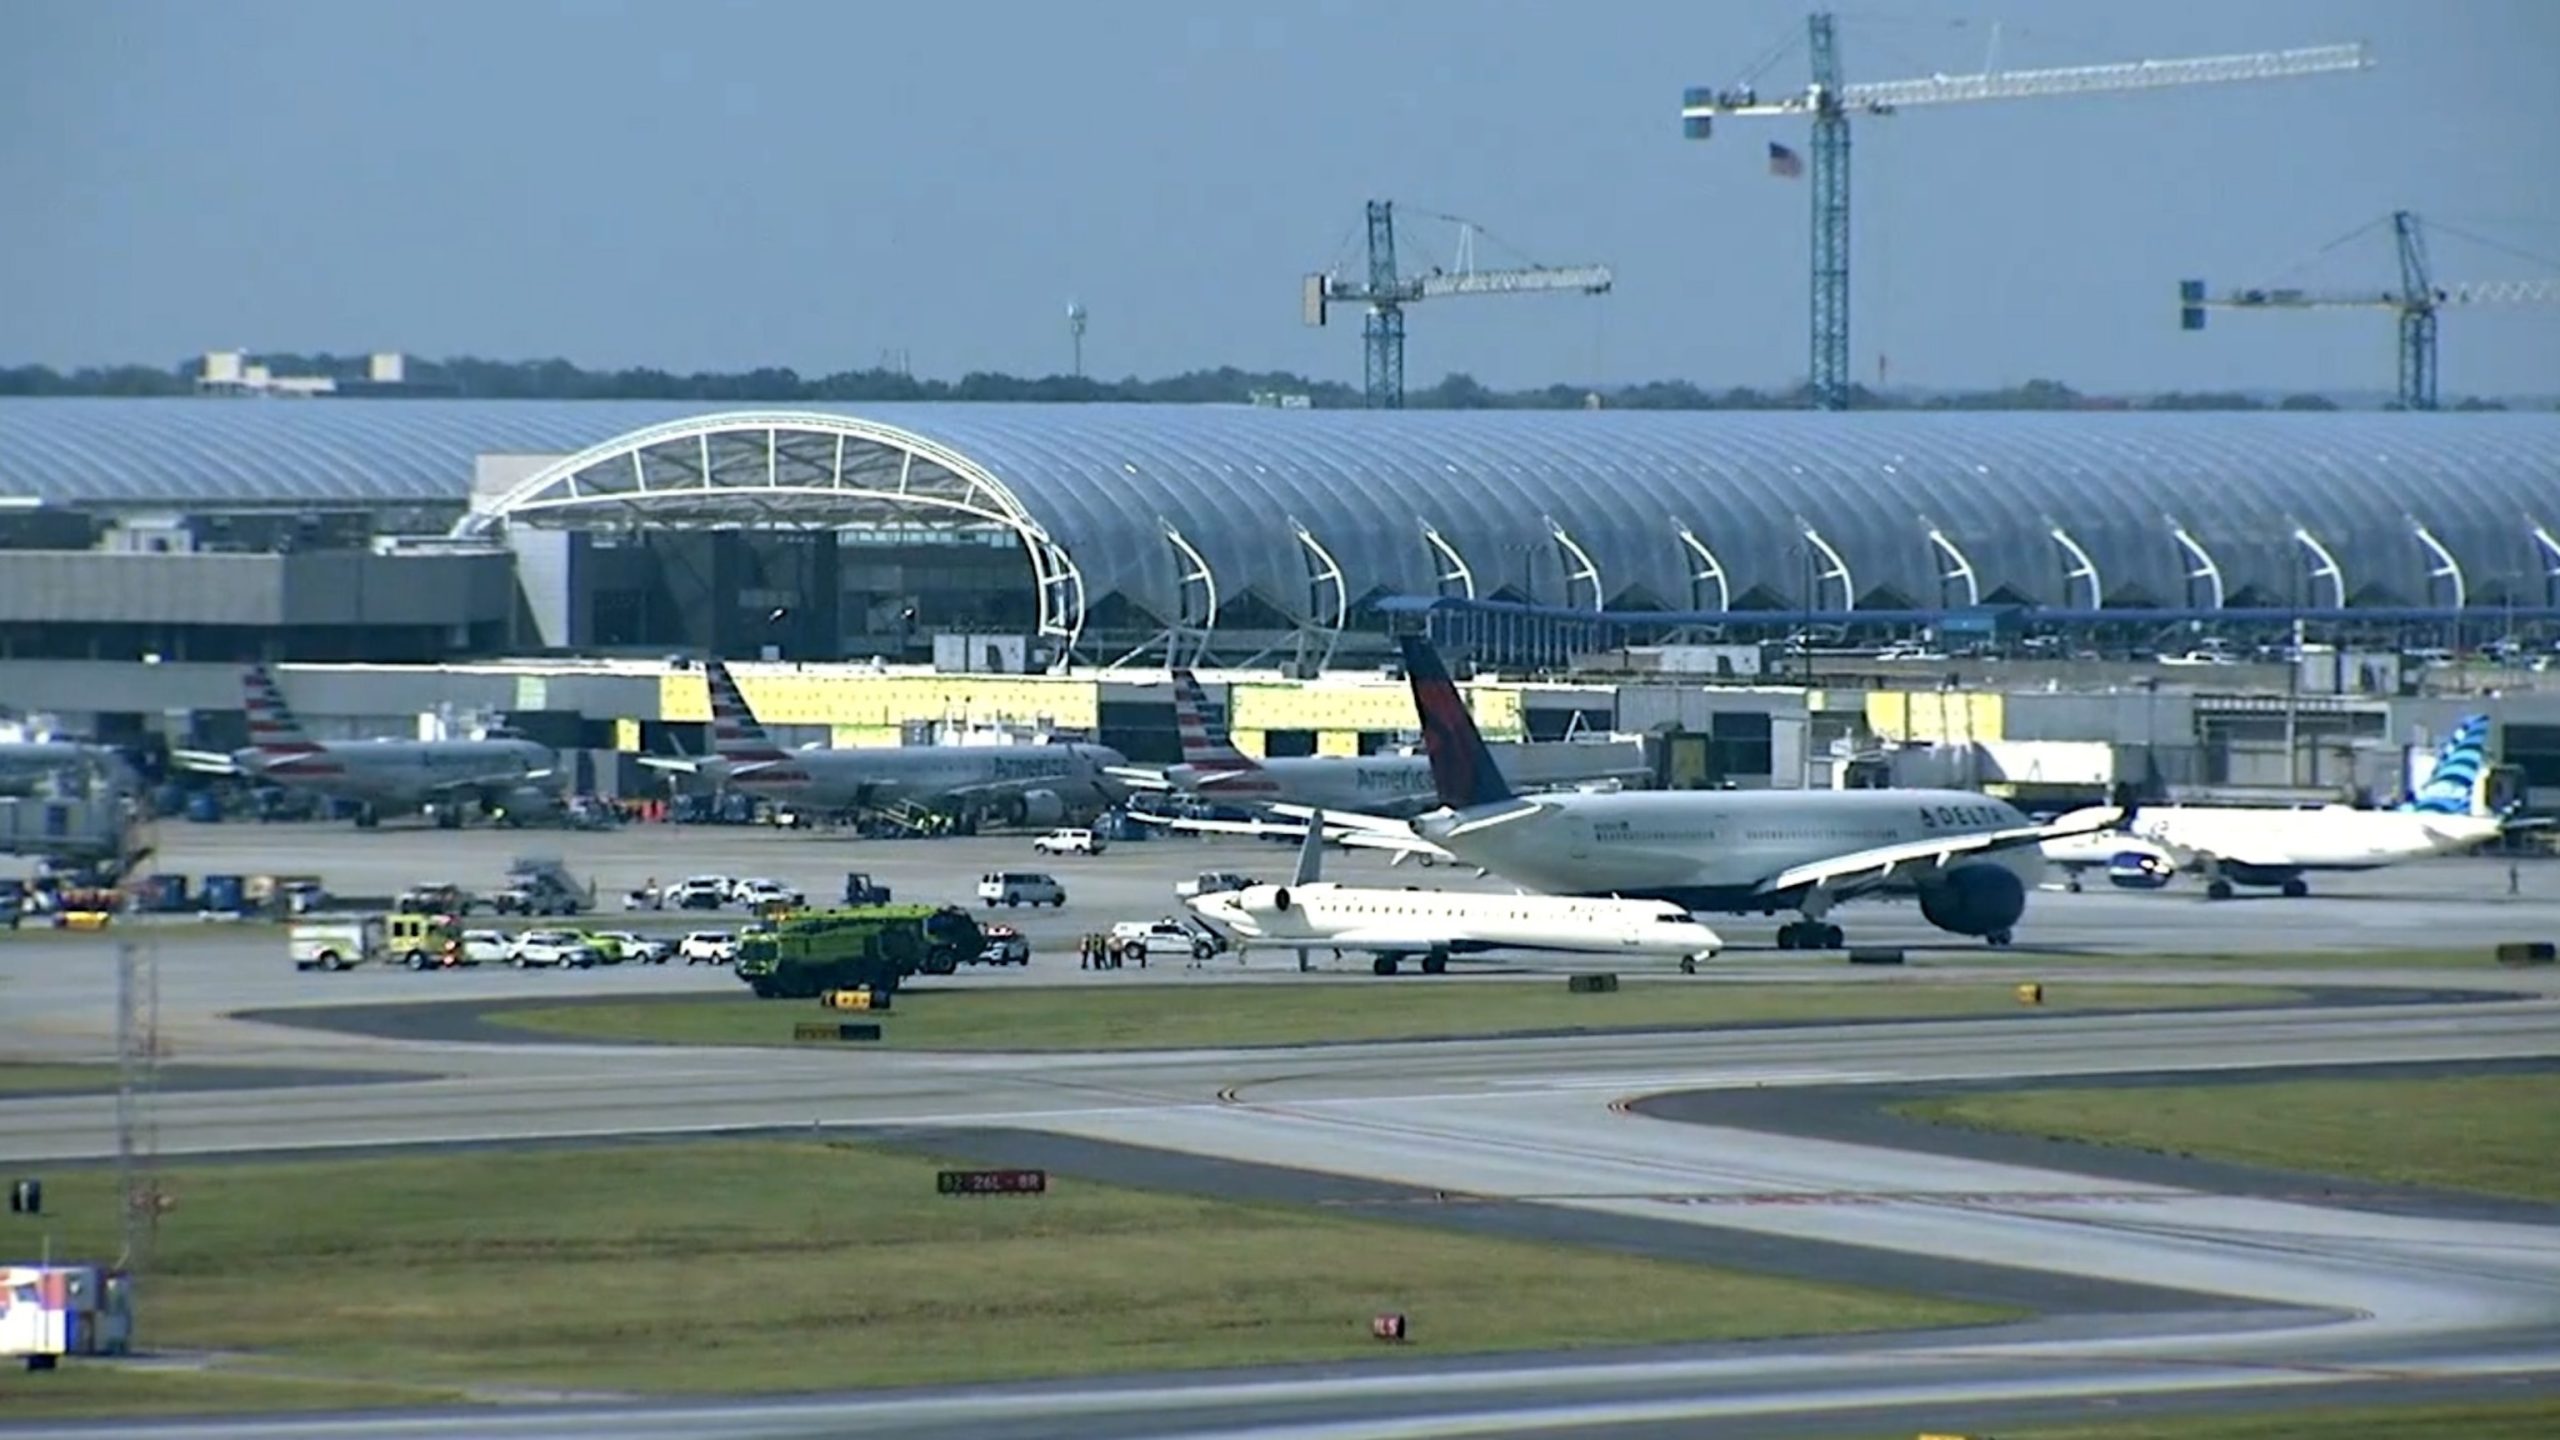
(2138,508)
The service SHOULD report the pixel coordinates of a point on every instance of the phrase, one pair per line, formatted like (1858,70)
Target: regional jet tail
(1037,784)
(1969,859)
(2277,849)
(1310,913)
(505,777)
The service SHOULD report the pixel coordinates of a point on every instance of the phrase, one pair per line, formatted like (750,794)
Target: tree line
(556,379)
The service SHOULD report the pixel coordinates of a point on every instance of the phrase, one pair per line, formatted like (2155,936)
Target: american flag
(1783,161)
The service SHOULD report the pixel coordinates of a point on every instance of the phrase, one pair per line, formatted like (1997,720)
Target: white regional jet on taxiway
(1310,913)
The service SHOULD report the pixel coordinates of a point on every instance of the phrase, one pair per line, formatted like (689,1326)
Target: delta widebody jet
(504,777)
(1037,784)
(1968,859)
(2279,848)
(1310,913)
(1398,786)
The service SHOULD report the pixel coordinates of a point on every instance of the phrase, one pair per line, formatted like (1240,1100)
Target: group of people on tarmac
(1097,952)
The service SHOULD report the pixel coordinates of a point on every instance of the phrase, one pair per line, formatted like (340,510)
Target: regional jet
(1398,786)
(1311,913)
(504,777)
(1035,784)
(1969,859)
(2276,848)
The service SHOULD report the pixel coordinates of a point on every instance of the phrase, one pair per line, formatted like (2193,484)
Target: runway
(2295,1294)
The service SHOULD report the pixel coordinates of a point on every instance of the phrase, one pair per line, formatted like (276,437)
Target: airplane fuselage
(1712,850)
(924,774)
(399,772)
(2281,842)
(1407,922)
(1399,786)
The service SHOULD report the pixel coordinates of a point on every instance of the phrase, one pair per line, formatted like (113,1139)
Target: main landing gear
(1810,935)
(1435,963)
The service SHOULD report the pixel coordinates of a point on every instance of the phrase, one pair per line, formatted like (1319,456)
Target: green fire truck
(814,951)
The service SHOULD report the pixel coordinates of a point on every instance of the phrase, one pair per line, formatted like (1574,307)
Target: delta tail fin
(2459,785)
(1462,769)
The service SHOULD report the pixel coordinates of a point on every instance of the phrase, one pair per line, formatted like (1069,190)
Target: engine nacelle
(2140,868)
(1035,808)
(1263,900)
(1977,899)
(524,805)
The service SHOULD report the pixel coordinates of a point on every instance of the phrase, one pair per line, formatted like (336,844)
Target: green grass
(2481,958)
(760,1266)
(102,1388)
(28,1078)
(2483,1420)
(2493,1134)
(1149,1016)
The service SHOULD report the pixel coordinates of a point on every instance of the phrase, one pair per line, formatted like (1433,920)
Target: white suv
(1020,887)
(1068,842)
(1133,938)
(551,947)
(708,947)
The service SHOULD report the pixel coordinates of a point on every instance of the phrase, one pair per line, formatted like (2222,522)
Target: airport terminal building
(147,547)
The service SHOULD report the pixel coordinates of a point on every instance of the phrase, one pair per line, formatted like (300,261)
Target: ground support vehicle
(1069,842)
(339,943)
(1020,887)
(871,947)
(1005,946)
(1142,940)
(425,942)
(860,890)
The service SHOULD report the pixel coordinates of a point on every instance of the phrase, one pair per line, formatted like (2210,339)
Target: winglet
(1311,853)
(1462,769)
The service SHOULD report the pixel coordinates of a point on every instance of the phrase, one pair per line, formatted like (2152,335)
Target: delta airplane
(1397,786)
(1311,913)
(1023,784)
(506,777)
(1968,858)
(2275,848)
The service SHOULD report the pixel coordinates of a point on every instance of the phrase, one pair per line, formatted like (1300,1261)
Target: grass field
(1147,1016)
(2488,1420)
(22,1078)
(759,1266)
(98,1389)
(2478,957)
(2494,1134)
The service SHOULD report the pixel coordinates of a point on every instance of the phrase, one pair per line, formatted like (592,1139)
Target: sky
(697,185)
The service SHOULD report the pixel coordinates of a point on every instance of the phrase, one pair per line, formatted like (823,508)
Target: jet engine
(1976,899)
(2140,867)
(523,805)
(1262,900)
(1035,809)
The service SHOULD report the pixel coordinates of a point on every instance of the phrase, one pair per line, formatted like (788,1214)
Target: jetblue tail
(1462,769)
(2459,784)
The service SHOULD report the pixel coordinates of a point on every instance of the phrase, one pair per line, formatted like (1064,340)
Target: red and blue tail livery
(1461,767)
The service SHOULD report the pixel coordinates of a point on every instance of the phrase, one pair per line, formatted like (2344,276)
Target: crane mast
(1386,293)
(1830,101)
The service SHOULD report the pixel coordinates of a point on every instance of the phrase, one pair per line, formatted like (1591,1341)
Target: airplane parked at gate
(1969,859)
(1399,786)
(1311,913)
(26,765)
(1020,784)
(504,777)
(2276,848)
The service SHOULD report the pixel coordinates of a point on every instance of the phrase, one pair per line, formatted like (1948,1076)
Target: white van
(1019,887)
(1068,842)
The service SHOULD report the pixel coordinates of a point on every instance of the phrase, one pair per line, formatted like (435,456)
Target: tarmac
(2159,1286)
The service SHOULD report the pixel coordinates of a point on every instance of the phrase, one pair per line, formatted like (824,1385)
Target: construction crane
(1386,294)
(2417,300)
(1830,102)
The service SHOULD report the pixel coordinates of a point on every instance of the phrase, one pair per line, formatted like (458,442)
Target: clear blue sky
(701,185)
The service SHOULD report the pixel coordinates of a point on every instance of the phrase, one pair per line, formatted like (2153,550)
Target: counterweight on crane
(1386,294)
(1830,101)
(2417,300)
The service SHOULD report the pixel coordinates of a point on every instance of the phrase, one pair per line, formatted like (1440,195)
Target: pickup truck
(1134,939)
(1211,882)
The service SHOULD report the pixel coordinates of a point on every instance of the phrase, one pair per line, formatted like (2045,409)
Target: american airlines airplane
(2276,848)
(504,777)
(1969,859)
(1310,913)
(1213,768)
(1020,784)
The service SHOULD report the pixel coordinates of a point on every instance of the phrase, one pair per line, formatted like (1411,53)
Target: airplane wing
(1863,869)
(1138,777)
(205,762)
(1400,842)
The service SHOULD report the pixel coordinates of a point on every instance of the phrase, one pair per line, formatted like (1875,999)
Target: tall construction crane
(1831,101)
(1386,294)
(2417,301)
